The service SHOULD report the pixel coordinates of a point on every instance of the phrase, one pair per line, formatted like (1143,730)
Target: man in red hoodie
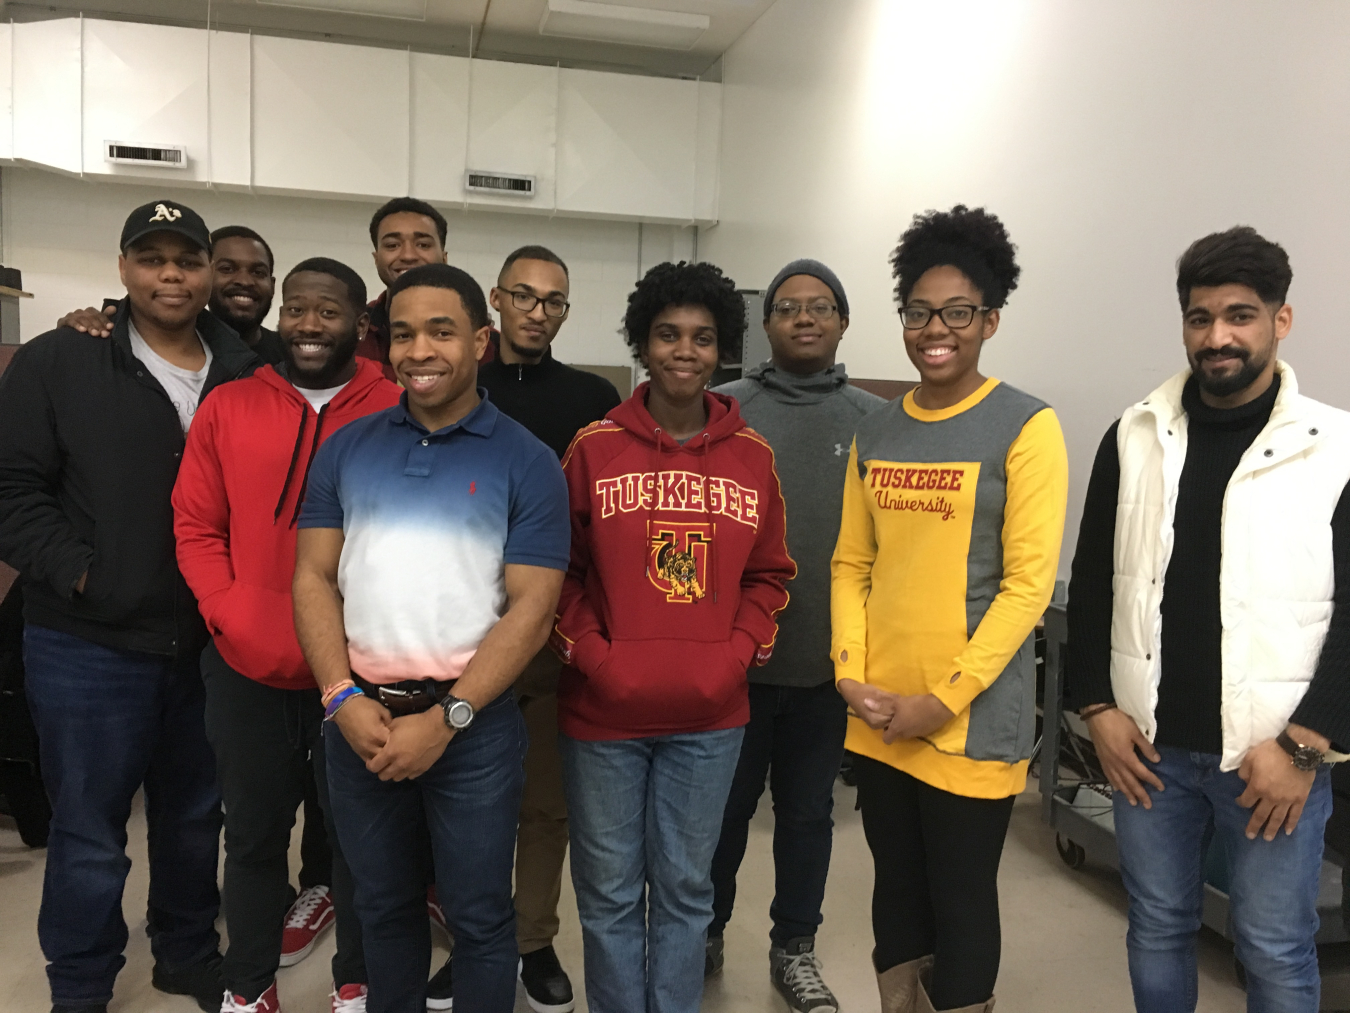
(678,571)
(235,504)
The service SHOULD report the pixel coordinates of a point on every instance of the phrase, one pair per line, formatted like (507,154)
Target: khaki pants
(541,842)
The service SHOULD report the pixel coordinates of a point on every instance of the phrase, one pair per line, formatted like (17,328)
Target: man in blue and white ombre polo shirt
(432,548)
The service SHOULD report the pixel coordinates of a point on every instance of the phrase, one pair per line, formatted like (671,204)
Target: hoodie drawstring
(651,504)
(708,518)
(295,456)
(313,449)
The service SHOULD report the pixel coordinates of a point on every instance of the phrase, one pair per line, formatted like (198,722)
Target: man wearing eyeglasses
(802,403)
(552,401)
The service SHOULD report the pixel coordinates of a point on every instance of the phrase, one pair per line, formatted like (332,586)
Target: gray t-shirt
(184,386)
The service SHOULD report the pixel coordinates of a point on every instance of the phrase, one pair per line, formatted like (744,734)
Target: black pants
(796,739)
(936,856)
(316,857)
(265,740)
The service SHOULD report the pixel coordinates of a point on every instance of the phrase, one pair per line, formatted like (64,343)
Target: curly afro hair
(686,284)
(974,242)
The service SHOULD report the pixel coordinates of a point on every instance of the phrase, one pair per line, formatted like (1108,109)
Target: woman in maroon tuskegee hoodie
(678,570)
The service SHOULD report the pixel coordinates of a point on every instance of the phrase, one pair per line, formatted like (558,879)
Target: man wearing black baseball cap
(91,435)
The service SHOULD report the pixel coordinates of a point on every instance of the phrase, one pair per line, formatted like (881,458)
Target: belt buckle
(389,695)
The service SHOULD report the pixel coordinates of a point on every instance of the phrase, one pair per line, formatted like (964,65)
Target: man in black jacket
(91,436)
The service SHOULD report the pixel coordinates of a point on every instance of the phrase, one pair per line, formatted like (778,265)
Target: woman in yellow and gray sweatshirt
(948,547)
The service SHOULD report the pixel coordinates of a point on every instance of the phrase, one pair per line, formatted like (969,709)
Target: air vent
(501,184)
(145,154)
(633,26)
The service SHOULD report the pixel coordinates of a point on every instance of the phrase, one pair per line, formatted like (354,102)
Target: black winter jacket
(89,450)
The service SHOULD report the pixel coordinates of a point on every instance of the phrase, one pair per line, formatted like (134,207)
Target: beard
(1228,384)
(326,375)
(241,325)
(527,351)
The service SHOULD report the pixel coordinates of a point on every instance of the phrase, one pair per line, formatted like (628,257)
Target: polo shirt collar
(479,422)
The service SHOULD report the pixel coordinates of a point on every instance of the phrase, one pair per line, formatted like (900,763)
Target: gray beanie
(815,269)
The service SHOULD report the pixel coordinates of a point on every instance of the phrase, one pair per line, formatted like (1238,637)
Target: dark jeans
(467,803)
(110,721)
(263,739)
(936,857)
(796,739)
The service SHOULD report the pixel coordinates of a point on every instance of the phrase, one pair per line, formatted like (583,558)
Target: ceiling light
(633,26)
(410,10)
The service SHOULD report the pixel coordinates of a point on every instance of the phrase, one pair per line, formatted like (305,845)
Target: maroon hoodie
(236,502)
(679,567)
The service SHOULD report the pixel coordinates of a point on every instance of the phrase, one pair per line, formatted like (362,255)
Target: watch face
(1307,758)
(459,714)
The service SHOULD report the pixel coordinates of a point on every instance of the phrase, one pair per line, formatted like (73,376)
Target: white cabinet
(439,134)
(513,112)
(46,75)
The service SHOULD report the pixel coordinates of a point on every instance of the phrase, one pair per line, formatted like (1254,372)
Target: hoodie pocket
(667,682)
(255,632)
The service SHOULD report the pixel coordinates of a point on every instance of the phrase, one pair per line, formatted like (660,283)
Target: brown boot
(925,1005)
(900,988)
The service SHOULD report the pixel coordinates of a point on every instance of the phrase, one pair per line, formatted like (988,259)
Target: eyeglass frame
(537,300)
(773,309)
(940,313)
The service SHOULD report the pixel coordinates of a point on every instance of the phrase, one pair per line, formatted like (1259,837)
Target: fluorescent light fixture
(632,26)
(407,10)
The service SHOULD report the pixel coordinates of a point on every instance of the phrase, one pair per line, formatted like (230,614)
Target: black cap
(165,216)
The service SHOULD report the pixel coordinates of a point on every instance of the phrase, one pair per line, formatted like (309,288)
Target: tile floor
(1063,933)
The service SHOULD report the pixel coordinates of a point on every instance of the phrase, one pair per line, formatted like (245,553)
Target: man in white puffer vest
(1209,635)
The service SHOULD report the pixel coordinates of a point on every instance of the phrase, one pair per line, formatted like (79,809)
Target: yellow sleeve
(851,578)
(1033,527)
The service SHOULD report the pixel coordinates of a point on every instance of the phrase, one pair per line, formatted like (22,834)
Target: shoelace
(355,1004)
(802,973)
(304,907)
(232,1005)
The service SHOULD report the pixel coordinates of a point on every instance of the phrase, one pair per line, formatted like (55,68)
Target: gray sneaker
(713,956)
(795,971)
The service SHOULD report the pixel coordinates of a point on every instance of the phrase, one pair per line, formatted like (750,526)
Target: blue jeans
(108,722)
(466,804)
(1273,889)
(795,739)
(645,816)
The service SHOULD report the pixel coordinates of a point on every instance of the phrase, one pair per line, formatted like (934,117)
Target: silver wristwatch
(458,713)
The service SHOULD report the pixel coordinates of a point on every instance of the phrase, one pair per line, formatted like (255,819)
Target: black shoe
(794,970)
(547,986)
(201,980)
(96,1008)
(713,956)
(440,992)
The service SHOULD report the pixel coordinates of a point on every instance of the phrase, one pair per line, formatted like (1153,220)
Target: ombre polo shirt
(429,522)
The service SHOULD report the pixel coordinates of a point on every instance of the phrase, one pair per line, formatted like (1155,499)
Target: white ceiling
(501,29)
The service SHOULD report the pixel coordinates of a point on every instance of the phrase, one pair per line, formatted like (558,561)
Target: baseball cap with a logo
(165,216)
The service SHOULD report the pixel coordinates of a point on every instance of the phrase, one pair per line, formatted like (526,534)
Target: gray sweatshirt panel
(1003,717)
(809,422)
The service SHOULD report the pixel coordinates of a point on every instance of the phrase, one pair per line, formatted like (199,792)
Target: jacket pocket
(255,632)
(668,682)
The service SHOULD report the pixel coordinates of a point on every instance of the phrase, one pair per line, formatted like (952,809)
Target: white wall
(62,233)
(1107,136)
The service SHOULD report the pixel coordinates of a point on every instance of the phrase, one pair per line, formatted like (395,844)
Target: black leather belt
(411,696)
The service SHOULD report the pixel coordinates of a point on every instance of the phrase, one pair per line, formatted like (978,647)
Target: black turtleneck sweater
(1191,689)
(548,398)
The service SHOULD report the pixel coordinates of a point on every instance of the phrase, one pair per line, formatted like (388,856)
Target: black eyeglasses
(915,317)
(554,306)
(789,308)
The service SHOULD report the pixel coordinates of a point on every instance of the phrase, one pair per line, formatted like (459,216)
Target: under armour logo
(840,450)
(163,213)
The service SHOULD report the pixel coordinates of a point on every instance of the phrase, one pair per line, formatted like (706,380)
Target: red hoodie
(235,506)
(679,567)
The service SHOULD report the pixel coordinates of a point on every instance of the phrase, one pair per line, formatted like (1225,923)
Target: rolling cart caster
(1073,854)
(1240,973)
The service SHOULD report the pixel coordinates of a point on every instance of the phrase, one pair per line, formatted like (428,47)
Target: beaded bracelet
(336,704)
(334,690)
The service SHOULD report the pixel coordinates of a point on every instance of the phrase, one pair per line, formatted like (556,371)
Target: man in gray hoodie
(802,403)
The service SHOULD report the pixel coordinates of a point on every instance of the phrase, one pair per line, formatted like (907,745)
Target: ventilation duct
(632,26)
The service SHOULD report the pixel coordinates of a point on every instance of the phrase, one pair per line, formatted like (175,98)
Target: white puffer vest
(1276,580)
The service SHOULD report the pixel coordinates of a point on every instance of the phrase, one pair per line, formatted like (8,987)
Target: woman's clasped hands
(895,715)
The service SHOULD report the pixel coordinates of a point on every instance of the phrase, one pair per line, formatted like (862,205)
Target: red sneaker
(349,999)
(435,912)
(307,919)
(265,1003)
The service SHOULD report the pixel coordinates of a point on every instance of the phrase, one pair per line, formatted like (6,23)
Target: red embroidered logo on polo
(678,491)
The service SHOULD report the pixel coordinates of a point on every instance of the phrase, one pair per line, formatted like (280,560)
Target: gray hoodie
(809,422)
